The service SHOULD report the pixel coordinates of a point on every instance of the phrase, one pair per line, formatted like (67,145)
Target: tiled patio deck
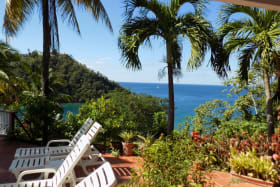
(122,166)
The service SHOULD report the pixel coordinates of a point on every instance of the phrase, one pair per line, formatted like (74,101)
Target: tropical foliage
(67,77)
(167,25)
(124,111)
(221,135)
(10,84)
(17,13)
(252,165)
(172,161)
(256,39)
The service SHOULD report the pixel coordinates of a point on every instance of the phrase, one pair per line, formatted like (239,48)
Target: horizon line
(174,83)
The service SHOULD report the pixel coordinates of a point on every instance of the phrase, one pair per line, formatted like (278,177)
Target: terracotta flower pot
(128,148)
(252,180)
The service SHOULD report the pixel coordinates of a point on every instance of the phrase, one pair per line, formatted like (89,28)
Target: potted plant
(127,144)
(144,142)
(253,169)
(115,152)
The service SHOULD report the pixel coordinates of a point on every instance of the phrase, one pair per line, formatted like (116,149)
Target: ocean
(187,96)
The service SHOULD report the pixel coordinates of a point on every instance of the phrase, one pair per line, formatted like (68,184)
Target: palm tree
(256,39)
(18,11)
(10,85)
(171,27)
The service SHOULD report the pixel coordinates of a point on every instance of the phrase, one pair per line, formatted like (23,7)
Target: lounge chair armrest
(101,157)
(93,149)
(28,172)
(58,141)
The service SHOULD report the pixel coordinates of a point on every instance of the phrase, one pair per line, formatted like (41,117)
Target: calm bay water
(187,96)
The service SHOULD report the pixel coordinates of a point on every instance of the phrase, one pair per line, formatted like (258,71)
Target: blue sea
(187,96)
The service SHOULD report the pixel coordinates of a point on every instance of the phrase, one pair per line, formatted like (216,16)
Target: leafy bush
(144,142)
(208,116)
(115,152)
(69,127)
(147,113)
(251,165)
(171,161)
(126,111)
(218,150)
(237,127)
(39,117)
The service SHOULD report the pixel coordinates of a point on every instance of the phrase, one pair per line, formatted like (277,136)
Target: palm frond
(198,30)
(68,13)
(154,6)
(133,34)
(219,59)
(229,9)
(97,10)
(245,60)
(16,14)
(53,25)
(176,54)
(236,28)
(199,6)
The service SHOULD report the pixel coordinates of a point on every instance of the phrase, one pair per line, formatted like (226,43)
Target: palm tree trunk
(45,61)
(276,96)
(269,106)
(170,89)
(254,103)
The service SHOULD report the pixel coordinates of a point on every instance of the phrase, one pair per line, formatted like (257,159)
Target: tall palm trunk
(276,96)
(45,61)
(269,107)
(170,88)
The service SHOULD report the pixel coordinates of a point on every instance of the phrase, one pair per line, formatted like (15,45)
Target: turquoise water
(71,107)
(187,96)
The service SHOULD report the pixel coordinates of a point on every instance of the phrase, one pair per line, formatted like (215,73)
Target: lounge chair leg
(84,167)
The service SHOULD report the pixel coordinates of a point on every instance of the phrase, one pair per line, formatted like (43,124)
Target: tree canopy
(67,76)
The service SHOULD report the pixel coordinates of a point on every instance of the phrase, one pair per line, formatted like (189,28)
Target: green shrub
(69,127)
(115,152)
(39,112)
(172,161)
(123,111)
(237,127)
(251,165)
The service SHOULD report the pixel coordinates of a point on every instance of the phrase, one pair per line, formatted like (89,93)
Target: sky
(97,47)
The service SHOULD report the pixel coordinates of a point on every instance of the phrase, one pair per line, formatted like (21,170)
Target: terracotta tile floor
(122,166)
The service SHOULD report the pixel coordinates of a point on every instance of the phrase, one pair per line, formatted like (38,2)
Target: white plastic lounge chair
(65,173)
(58,150)
(102,176)
(21,164)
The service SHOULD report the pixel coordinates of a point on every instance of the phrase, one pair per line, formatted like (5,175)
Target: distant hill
(67,76)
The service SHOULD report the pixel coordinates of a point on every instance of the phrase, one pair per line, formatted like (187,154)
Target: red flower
(194,133)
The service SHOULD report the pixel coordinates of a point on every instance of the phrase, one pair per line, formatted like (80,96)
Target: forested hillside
(67,76)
